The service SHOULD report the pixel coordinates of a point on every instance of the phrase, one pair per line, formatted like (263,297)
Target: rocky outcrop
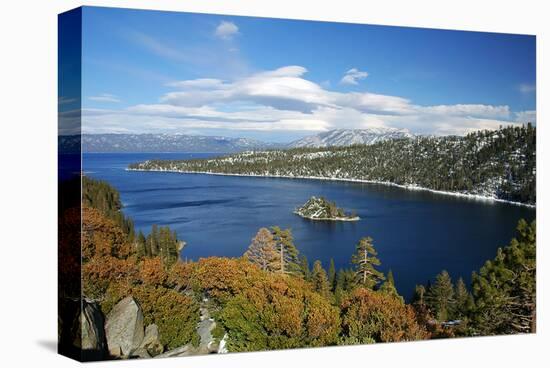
(208,344)
(93,334)
(124,328)
(151,342)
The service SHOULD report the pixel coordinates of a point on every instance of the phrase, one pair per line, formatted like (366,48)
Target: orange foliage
(180,275)
(102,236)
(224,277)
(374,315)
(152,271)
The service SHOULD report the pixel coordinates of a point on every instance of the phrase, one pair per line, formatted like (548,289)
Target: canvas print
(234,184)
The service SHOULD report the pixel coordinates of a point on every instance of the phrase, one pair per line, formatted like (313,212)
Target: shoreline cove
(475,197)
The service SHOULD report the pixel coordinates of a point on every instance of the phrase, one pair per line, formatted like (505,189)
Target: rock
(93,334)
(151,342)
(204,329)
(222,346)
(124,327)
(177,352)
(140,353)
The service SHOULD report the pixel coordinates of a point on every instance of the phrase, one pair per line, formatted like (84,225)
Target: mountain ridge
(347,137)
(161,142)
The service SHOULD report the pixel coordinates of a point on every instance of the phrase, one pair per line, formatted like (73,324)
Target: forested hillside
(499,164)
(270,298)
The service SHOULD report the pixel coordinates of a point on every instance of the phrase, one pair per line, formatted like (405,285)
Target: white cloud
(485,111)
(284,100)
(528,116)
(353,75)
(105,97)
(226,30)
(527,88)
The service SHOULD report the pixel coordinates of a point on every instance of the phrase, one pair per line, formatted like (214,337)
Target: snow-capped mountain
(346,137)
(160,143)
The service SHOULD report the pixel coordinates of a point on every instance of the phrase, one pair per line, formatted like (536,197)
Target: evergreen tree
(464,301)
(345,279)
(304,268)
(319,279)
(332,275)
(365,260)
(262,251)
(440,297)
(288,254)
(153,239)
(505,288)
(388,287)
(141,250)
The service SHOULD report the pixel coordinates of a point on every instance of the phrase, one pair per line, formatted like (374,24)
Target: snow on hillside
(346,137)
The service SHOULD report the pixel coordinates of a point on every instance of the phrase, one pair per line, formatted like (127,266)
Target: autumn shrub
(272,311)
(180,275)
(152,271)
(222,278)
(100,272)
(369,315)
(101,237)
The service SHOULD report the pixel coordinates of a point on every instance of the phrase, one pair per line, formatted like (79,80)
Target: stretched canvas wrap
(232,184)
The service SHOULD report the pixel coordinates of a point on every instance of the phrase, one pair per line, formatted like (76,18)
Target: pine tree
(141,250)
(304,268)
(262,251)
(388,287)
(505,288)
(464,301)
(153,239)
(365,260)
(288,254)
(440,297)
(345,279)
(332,275)
(319,279)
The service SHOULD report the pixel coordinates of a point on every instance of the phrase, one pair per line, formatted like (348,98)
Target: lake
(416,233)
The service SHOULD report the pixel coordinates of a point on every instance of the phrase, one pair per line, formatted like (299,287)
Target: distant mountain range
(111,143)
(106,143)
(347,137)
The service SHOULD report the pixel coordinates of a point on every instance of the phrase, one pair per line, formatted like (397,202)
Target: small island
(320,209)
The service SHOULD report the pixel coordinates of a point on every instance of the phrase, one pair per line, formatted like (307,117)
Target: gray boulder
(124,327)
(151,342)
(93,334)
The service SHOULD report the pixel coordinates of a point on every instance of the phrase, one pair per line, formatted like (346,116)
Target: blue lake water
(416,233)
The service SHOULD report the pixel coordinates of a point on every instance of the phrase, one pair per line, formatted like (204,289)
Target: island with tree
(321,209)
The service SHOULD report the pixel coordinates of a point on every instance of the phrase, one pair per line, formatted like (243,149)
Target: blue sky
(273,79)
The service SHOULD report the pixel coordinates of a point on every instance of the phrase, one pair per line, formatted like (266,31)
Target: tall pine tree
(464,301)
(332,275)
(505,288)
(262,251)
(287,252)
(304,268)
(319,279)
(440,297)
(388,287)
(365,261)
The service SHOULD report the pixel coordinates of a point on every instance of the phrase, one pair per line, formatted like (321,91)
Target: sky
(279,80)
